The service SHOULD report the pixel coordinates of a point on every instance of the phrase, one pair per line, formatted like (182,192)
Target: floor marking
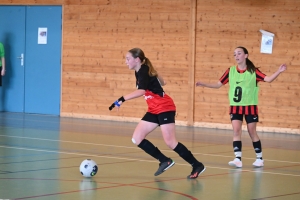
(118,146)
(280,195)
(122,158)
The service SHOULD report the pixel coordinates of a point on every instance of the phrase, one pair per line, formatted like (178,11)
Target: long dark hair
(250,66)
(138,53)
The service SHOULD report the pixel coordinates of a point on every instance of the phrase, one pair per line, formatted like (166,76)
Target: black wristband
(121,99)
(112,106)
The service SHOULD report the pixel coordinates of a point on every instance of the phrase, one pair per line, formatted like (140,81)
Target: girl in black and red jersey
(243,98)
(161,112)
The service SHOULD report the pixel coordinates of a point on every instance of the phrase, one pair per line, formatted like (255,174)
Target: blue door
(12,36)
(32,83)
(42,62)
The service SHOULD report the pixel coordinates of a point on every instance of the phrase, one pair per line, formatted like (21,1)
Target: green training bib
(243,89)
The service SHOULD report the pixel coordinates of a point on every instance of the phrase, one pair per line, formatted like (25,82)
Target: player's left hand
(2,72)
(117,103)
(199,83)
(282,68)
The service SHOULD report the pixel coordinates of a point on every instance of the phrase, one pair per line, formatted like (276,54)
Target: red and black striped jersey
(225,78)
(246,110)
(158,102)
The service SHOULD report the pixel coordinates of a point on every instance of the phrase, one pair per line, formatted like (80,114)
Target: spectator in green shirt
(2,62)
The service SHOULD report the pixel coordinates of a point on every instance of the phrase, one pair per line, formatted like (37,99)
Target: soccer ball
(88,168)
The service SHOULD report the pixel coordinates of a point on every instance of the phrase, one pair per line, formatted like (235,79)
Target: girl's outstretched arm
(271,78)
(210,85)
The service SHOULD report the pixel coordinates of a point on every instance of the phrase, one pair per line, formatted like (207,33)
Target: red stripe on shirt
(240,109)
(234,109)
(259,75)
(246,110)
(225,78)
(252,110)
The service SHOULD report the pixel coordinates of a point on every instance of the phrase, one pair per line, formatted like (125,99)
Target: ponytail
(250,66)
(138,53)
(152,71)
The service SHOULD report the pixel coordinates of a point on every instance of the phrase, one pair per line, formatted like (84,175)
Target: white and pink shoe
(258,163)
(236,163)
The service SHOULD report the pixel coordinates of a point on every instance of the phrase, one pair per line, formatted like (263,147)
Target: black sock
(186,154)
(257,149)
(237,148)
(153,151)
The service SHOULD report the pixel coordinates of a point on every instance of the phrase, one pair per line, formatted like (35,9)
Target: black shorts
(249,118)
(160,119)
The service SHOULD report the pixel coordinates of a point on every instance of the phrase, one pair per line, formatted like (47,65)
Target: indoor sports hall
(64,62)
(40,158)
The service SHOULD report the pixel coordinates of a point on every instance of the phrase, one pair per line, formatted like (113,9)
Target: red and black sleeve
(225,78)
(259,75)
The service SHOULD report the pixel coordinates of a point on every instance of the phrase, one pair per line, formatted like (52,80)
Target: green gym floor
(40,157)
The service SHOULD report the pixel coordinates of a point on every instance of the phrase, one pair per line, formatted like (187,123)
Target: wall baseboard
(183,123)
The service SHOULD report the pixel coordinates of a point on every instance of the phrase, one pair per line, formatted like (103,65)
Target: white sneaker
(236,163)
(258,163)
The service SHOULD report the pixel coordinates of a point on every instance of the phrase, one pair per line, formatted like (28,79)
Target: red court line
(182,194)
(50,179)
(55,168)
(40,160)
(287,166)
(283,195)
(34,170)
(120,185)
(137,185)
(75,191)
(175,179)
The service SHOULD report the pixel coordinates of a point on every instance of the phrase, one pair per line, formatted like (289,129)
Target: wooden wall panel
(96,39)
(224,25)
(186,40)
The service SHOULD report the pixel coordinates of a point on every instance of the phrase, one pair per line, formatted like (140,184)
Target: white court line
(182,131)
(122,158)
(117,146)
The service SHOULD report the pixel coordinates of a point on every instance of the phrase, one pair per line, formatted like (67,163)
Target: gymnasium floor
(40,157)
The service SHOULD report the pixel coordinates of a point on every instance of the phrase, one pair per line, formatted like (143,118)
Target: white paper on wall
(266,42)
(42,35)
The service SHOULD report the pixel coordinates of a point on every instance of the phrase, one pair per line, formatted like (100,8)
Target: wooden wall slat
(98,33)
(224,25)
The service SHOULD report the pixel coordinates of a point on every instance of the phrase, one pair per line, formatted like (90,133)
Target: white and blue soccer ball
(88,168)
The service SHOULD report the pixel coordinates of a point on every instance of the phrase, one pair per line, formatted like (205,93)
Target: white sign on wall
(266,42)
(42,35)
